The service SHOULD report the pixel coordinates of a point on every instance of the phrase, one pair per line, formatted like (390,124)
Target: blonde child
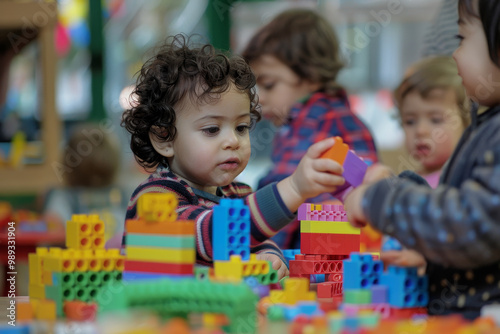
(434,111)
(296,58)
(455,226)
(190,125)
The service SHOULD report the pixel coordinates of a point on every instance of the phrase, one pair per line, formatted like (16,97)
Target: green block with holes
(357,296)
(270,278)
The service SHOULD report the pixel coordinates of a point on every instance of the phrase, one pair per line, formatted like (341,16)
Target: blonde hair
(433,73)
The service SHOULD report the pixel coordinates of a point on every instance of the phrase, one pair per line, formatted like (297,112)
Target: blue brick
(289,254)
(361,271)
(406,288)
(129,276)
(231,230)
(18,329)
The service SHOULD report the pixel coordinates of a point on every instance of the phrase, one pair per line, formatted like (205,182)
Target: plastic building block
(405,313)
(45,310)
(295,289)
(391,244)
(160,241)
(354,169)
(159,267)
(164,255)
(180,298)
(358,296)
(157,207)
(337,152)
(35,265)
(179,227)
(318,212)
(329,244)
(406,288)
(309,226)
(361,271)
(231,230)
(379,294)
(317,278)
(24,311)
(18,329)
(36,291)
(80,311)
(201,272)
(276,312)
(85,232)
(289,254)
(235,269)
(310,267)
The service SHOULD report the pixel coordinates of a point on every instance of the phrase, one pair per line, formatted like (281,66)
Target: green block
(369,320)
(82,278)
(56,293)
(276,313)
(95,279)
(361,296)
(202,273)
(66,280)
(105,277)
(160,241)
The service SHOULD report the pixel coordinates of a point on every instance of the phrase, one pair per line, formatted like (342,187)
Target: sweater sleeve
(453,226)
(268,214)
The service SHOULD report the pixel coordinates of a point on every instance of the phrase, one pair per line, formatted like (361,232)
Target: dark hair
(176,72)
(431,74)
(98,157)
(488,11)
(305,42)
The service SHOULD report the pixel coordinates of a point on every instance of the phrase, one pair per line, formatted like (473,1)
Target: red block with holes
(329,244)
(159,268)
(329,289)
(301,267)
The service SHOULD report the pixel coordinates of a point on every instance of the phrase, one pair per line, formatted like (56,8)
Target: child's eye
(459,37)
(242,129)
(213,130)
(268,86)
(437,120)
(408,122)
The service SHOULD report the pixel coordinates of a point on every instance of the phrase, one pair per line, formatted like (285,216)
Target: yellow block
(35,265)
(235,268)
(157,207)
(296,289)
(310,226)
(161,255)
(85,232)
(45,309)
(36,291)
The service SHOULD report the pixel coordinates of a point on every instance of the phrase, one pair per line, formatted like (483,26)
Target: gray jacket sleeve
(452,226)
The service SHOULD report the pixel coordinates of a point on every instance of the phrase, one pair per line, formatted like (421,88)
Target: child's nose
(231,141)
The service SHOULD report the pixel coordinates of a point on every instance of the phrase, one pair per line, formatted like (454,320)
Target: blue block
(290,254)
(140,276)
(291,312)
(390,244)
(406,288)
(317,278)
(351,323)
(379,294)
(18,329)
(361,271)
(231,230)
(309,309)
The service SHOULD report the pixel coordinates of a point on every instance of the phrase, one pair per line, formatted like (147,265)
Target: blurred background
(66,63)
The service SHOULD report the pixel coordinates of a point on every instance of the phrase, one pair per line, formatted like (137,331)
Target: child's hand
(377,172)
(404,258)
(276,262)
(312,177)
(353,207)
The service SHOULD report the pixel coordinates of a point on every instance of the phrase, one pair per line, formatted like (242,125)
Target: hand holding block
(337,152)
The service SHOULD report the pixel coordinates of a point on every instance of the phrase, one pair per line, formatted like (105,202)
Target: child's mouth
(423,150)
(230,164)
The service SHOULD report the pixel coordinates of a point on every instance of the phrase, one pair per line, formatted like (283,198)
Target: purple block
(354,169)
(379,294)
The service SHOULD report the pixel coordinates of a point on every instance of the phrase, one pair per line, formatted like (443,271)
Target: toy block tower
(157,245)
(78,273)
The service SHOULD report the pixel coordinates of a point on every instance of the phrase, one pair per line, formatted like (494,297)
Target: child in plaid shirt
(190,125)
(296,60)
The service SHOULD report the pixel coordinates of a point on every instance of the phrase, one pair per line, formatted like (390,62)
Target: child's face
(481,77)
(279,88)
(432,127)
(212,145)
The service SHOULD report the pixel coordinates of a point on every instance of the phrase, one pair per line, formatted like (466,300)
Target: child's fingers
(327,165)
(319,148)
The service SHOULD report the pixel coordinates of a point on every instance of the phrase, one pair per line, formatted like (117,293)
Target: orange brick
(185,227)
(337,152)
(24,311)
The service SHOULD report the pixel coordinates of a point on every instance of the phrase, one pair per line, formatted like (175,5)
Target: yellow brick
(45,309)
(107,260)
(254,267)
(161,255)
(36,291)
(309,226)
(296,289)
(159,207)
(85,232)
(59,260)
(229,270)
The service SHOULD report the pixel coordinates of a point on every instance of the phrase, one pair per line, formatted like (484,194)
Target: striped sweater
(268,213)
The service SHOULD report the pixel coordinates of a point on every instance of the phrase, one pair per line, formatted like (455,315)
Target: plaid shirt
(319,117)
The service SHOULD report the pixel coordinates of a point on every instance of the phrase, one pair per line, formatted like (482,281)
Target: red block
(329,244)
(159,268)
(329,289)
(406,313)
(80,311)
(334,278)
(301,267)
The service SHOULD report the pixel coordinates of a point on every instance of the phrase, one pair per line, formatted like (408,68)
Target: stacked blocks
(156,244)
(235,270)
(405,288)
(363,271)
(354,167)
(329,234)
(58,276)
(231,230)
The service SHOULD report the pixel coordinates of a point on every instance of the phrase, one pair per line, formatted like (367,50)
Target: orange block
(180,227)
(337,152)
(80,311)
(24,311)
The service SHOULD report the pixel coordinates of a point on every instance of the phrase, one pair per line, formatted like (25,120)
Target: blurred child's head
(193,111)
(96,156)
(292,56)
(434,111)
(477,56)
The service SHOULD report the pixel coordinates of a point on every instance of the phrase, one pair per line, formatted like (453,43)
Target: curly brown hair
(305,42)
(178,71)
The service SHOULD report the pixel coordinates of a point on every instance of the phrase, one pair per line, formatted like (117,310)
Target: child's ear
(165,148)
